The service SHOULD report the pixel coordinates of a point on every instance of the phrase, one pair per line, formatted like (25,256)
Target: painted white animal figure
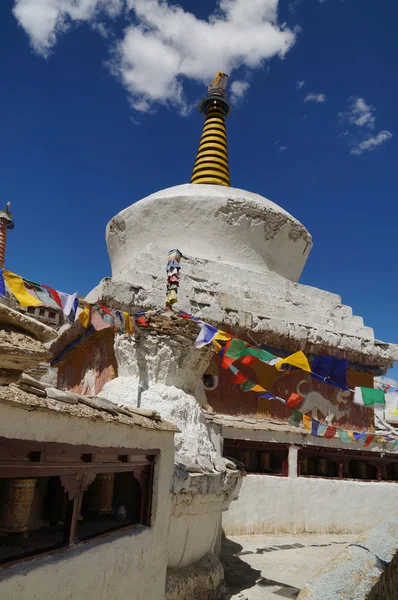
(314,401)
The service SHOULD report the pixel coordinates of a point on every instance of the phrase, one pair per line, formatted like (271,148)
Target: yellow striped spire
(211,165)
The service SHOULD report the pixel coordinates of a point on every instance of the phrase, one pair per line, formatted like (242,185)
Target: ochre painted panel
(90,366)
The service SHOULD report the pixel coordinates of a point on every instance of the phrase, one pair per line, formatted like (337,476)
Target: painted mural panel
(89,366)
(322,401)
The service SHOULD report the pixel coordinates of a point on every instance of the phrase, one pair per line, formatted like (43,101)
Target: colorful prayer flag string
(173,277)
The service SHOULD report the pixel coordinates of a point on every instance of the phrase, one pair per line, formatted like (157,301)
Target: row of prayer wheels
(19,494)
(264,460)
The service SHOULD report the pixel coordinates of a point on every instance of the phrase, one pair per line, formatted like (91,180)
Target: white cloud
(300,84)
(238,90)
(359,113)
(45,20)
(371,142)
(315,97)
(361,117)
(282,148)
(164,46)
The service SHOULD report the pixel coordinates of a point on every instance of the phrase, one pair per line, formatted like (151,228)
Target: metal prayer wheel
(265,461)
(245,458)
(101,493)
(395,466)
(17,504)
(360,469)
(384,473)
(304,466)
(322,466)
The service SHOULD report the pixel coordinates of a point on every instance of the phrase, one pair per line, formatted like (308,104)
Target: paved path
(273,567)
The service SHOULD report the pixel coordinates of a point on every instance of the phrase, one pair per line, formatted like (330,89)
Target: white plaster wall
(211,222)
(126,565)
(191,537)
(268,504)
(162,373)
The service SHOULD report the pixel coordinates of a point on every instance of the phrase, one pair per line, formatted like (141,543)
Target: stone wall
(366,570)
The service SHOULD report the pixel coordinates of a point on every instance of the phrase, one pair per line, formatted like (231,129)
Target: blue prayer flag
(330,370)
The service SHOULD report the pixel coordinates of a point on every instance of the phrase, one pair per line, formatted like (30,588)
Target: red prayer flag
(369,440)
(249,360)
(239,378)
(294,400)
(54,294)
(226,360)
(330,433)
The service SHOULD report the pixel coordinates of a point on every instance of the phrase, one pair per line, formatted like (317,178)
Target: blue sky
(96,115)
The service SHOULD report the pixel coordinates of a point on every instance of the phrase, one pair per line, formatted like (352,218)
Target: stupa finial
(211,165)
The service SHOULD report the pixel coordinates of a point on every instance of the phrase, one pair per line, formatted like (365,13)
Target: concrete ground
(272,567)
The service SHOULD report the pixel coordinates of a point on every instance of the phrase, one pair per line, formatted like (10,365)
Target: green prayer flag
(344,436)
(369,396)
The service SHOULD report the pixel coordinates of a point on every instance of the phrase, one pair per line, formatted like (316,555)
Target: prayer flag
(315,425)
(298,359)
(330,370)
(330,433)
(67,301)
(307,420)
(206,334)
(235,348)
(251,386)
(84,316)
(128,326)
(221,336)
(249,360)
(294,400)
(296,418)
(17,287)
(358,436)
(96,320)
(344,436)
(54,294)
(239,377)
(322,428)
(2,285)
(269,396)
(369,439)
(369,397)
(395,447)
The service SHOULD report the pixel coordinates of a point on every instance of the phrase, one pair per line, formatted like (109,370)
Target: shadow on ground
(241,577)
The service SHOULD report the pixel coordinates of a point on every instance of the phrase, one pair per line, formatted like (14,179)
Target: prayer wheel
(18,504)
(322,466)
(395,470)
(245,458)
(384,473)
(304,466)
(360,469)
(265,461)
(101,493)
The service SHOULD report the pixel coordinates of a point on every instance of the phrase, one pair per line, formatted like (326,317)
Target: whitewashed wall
(269,504)
(126,565)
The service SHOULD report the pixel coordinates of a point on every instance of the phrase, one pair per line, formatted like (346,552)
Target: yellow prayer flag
(171,297)
(351,434)
(84,316)
(394,413)
(17,287)
(221,336)
(128,326)
(298,359)
(216,345)
(257,388)
(307,420)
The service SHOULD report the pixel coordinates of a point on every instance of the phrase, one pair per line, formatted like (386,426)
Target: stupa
(243,256)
